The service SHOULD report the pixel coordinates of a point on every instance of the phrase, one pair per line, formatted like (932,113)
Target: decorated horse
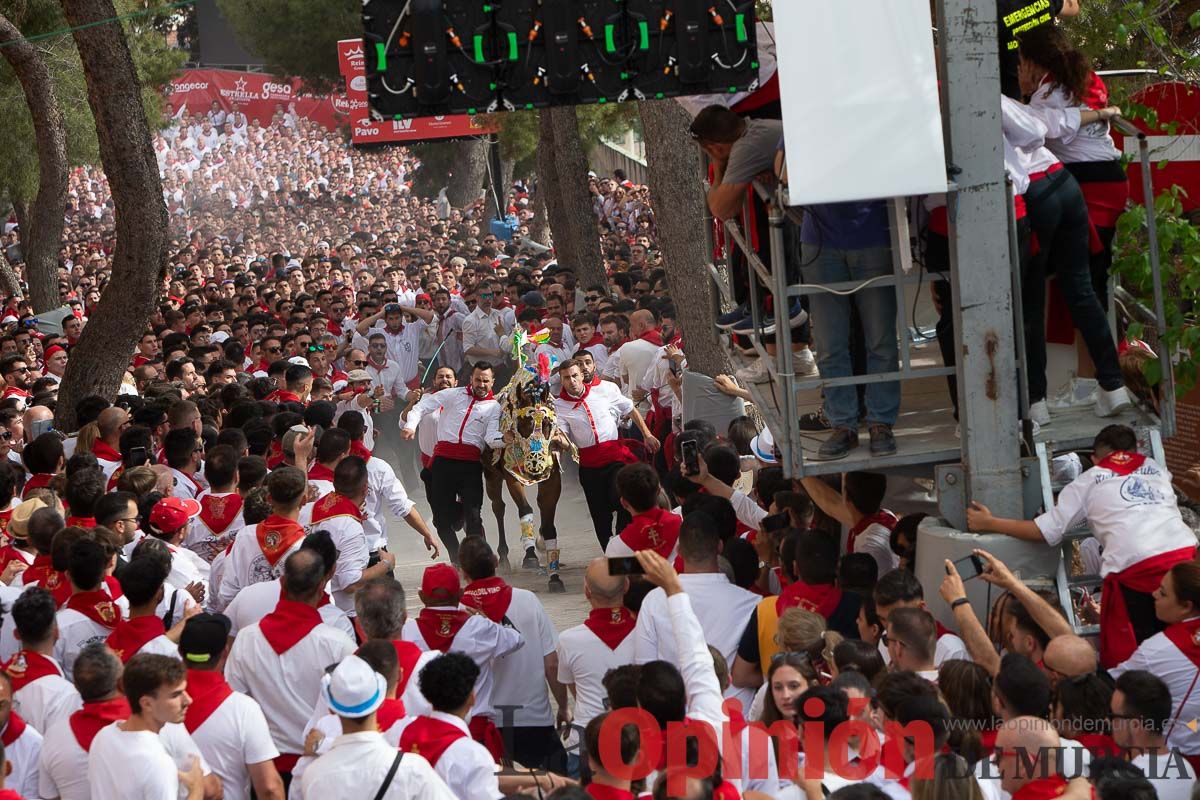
(530,456)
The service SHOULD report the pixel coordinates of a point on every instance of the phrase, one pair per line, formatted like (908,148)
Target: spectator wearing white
(279,660)
(448,325)
(340,513)
(1129,503)
(90,614)
(259,599)
(381,614)
(403,340)
(587,652)
(722,608)
(481,334)
(386,374)
(220,514)
(143,632)
(859,507)
(156,688)
(901,589)
(170,520)
(638,354)
(1140,711)
(183,452)
(42,694)
(107,447)
(1020,736)
(228,727)
(911,639)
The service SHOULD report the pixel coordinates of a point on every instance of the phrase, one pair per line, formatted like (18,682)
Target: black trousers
(535,747)
(600,490)
(450,482)
(1140,608)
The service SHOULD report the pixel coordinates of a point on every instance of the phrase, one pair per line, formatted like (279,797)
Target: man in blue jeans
(849,242)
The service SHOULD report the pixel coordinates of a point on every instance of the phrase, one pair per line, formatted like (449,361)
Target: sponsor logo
(189,86)
(359,83)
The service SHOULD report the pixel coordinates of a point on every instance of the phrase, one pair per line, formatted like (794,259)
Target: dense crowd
(197,584)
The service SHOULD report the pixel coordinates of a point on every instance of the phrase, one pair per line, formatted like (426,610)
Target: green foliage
(156,62)
(297,38)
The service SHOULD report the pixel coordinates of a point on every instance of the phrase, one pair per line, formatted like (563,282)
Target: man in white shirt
(170,520)
(522,676)
(603,642)
(156,689)
(481,334)
(858,507)
(42,694)
(279,660)
(469,419)
(381,616)
(638,353)
(901,589)
(360,763)
(448,326)
(1141,710)
(22,743)
(911,641)
(184,452)
(142,583)
(220,506)
(229,727)
(89,615)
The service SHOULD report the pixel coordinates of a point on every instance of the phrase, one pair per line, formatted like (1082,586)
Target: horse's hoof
(531,560)
(556,585)
(505,566)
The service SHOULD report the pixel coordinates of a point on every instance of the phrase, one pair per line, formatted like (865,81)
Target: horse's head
(533,426)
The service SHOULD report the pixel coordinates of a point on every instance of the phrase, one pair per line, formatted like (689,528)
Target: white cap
(354,689)
(763,446)
(219,337)
(299,361)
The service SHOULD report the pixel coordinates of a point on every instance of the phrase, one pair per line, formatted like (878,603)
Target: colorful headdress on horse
(545,364)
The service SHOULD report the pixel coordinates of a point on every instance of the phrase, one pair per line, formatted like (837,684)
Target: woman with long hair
(967,689)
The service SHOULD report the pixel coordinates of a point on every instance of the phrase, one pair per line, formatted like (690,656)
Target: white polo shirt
(404,347)
(383,489)
(44,701)
(357,763)
(521,675)
(583,661)
(1163,772)
(484,642)
(187,486)
(159,759)
(389,375)
(286,685)
(259,599)
(466,766)
(233,736)
(1160,656)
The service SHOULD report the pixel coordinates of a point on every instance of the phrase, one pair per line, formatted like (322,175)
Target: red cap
(440,581)
(51,350)
(172,513)
(425,297)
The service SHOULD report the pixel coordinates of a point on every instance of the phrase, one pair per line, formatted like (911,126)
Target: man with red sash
(1129,503)
(258,552)
(340,513)
(859,507)
(469,420)
(223,722)
(651,527)
(1018,745)
(42,694)
(279,661)
(111,423)
(590,416)
(143,632)
(380,616)
(90,613)
(521,677)
(220,505)
(444,625)
(587,652)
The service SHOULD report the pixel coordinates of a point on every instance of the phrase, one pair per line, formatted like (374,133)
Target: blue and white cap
(354,689)
(763,446)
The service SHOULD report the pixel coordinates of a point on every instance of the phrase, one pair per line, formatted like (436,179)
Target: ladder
(1067,583)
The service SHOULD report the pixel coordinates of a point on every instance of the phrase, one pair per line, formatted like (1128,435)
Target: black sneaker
(839,444)
(883,441)
(814,421)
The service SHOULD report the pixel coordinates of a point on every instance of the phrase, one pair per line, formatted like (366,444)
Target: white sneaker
(1075,393)
(1039,412)
(755,373)
(1109,404)
(803,362)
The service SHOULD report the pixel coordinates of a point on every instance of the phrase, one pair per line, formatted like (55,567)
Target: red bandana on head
(611,625)
(492,596)
(276,535)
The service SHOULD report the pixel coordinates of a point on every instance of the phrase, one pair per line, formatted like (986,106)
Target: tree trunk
(9,281)
(98,362)
(539,226)
(499,191)
(673,173)
(563,168)
(40,241)
(465,183)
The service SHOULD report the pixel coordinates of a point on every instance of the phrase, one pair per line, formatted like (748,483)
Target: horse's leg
(549,492)
(494,482)
(525,511)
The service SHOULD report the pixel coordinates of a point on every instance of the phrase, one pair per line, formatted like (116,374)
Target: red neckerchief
(822,598)
(42,572)
(283,396)
(1186,636)
(5,517)
(290,622)
(13,730)
(92,717)
(988,740)
(1042,789)
(1098,744)
(13,391)
(208,690)
(275,455)
(611,625)
(595,340)
(1096,95)
(103,452)
(1122,462)
(335,505)
(653,336)
(884,517)
(1118,640)
(612,350)
(96,606)
(320,472)
(599,791)
(407,654)
(391,712)
(587,389)
(276,535)
(357,448)
(218,512)
(438,626)
(656,529)
(490,595)
(116,476)
(471,393)
(81,522)
(132,634)
(429,738)
(726,791)
(27,666)
(39,480)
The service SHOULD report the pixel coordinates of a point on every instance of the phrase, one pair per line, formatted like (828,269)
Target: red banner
(1174,141)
